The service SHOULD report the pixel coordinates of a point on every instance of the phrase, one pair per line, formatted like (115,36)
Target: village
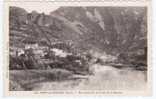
(34,56)
(64,49)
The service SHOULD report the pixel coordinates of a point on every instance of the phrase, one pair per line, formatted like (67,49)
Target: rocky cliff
(118,31)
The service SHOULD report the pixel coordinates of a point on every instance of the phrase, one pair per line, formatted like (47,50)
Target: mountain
(112,30)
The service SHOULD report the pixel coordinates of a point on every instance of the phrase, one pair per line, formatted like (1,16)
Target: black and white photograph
(78,48)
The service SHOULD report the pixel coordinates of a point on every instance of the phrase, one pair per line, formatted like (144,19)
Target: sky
(46,8)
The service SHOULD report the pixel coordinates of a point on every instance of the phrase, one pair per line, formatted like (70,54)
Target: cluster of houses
(38,51)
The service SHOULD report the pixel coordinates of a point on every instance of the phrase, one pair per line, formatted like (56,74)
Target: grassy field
(27,79)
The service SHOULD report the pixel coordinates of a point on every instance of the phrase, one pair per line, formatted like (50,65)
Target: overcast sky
(39,7)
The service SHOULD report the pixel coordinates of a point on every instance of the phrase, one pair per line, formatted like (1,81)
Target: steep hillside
(78,48)
(107,28)
(118,31)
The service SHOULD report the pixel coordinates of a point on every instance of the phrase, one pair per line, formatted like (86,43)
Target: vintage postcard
(74,47)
